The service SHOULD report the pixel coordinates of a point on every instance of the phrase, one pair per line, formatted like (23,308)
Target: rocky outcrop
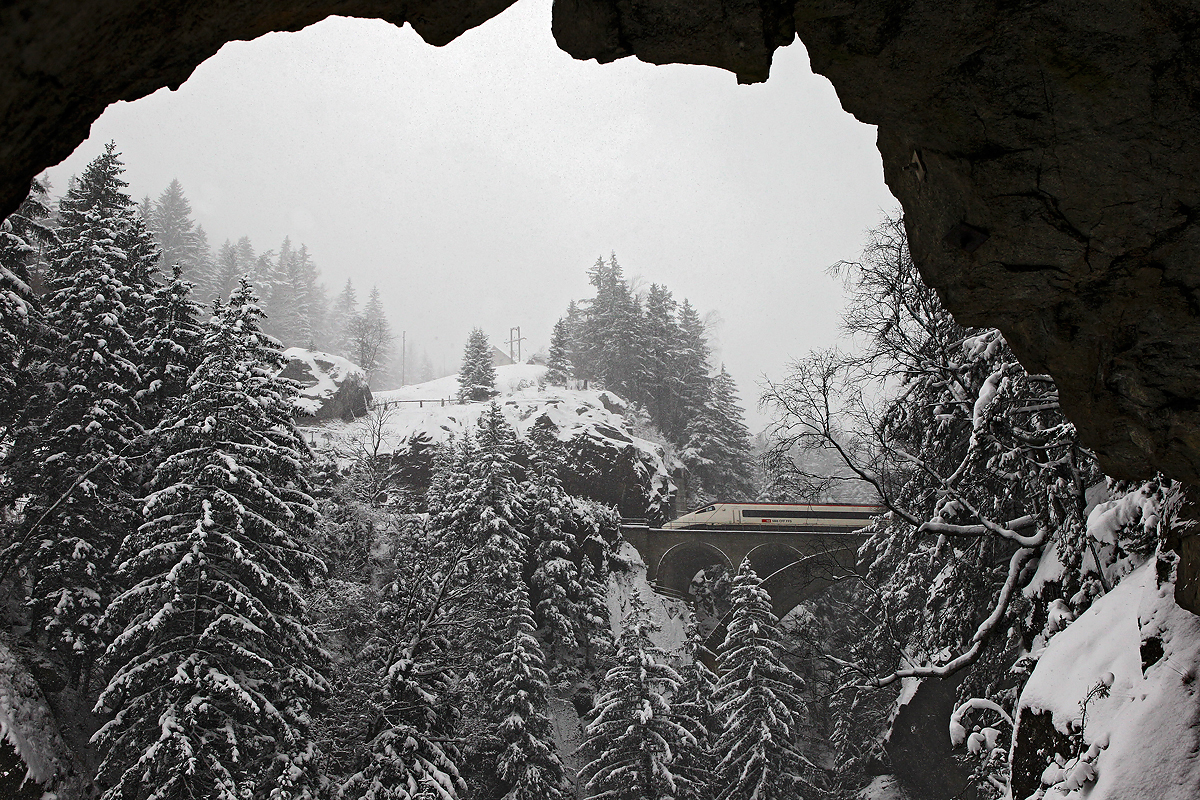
(331,387)
(1045,153)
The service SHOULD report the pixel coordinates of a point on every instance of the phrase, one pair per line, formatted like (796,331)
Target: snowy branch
(982,633)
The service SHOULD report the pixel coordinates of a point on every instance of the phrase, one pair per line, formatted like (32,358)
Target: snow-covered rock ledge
(1140,736)
(332,387)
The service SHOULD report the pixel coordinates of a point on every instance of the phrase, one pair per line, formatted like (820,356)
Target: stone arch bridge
(794,565)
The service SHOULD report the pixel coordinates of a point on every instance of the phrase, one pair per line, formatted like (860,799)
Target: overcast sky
(476,183)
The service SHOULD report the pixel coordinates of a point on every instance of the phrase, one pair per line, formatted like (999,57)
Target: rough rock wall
(1044,151)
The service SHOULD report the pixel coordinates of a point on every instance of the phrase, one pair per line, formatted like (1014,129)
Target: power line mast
(514,344)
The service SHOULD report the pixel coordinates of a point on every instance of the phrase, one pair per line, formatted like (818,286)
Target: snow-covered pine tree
(555,580)
(595,633)
(756,698)
(589,522)
(577,346)
(205,272)
(660,343)
(692,372)
(295,301)
(425,609)
(496,493)
(214,666)
(612,331)
(23,236)
(227,269)
(72,464)
(693,702)
(342,311)
(477,375)
(451,516)
(169,218)
(558,360)
(717,448)
(527,765)
(170,347)
(633,738)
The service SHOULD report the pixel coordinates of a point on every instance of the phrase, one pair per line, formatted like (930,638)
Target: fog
(475,183)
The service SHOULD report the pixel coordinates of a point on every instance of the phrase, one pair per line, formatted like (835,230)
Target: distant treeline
(299,309)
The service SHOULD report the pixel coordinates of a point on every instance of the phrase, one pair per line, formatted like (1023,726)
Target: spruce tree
(558,360)
(497,498)
(661,343)
(226,272)
(214,666)
(527,765)
(477,375)
(23,237)
(170,348)
(586,521)
(612,332)
(341,314)
(693,701)
(411,753)
(756,698)
(717,448)
(170,220)
(72,464)
(577,344)
(555,580)
(633,738)
(293,299)
(692,372)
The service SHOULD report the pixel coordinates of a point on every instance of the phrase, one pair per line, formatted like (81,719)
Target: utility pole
(514,340)
(403,355)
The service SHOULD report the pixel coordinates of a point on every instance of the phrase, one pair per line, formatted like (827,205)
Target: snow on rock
(669,617)
(1144,736)
(333,387)
(1106,521)
(28,724)
(609,463)
(883,787)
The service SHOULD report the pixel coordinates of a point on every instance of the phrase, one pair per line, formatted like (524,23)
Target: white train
(823,517)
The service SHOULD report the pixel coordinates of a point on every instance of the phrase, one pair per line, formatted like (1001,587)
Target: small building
(500,358)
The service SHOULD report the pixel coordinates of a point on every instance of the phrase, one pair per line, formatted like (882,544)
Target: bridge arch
(680,563)
(770,557)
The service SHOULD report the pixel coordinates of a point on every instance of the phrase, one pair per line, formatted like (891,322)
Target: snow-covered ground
(509,379)
(1146,731)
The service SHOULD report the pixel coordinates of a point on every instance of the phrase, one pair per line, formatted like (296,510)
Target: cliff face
(1044,152)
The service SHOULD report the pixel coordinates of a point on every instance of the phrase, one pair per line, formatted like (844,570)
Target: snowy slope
(509,379)
(1147,730)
